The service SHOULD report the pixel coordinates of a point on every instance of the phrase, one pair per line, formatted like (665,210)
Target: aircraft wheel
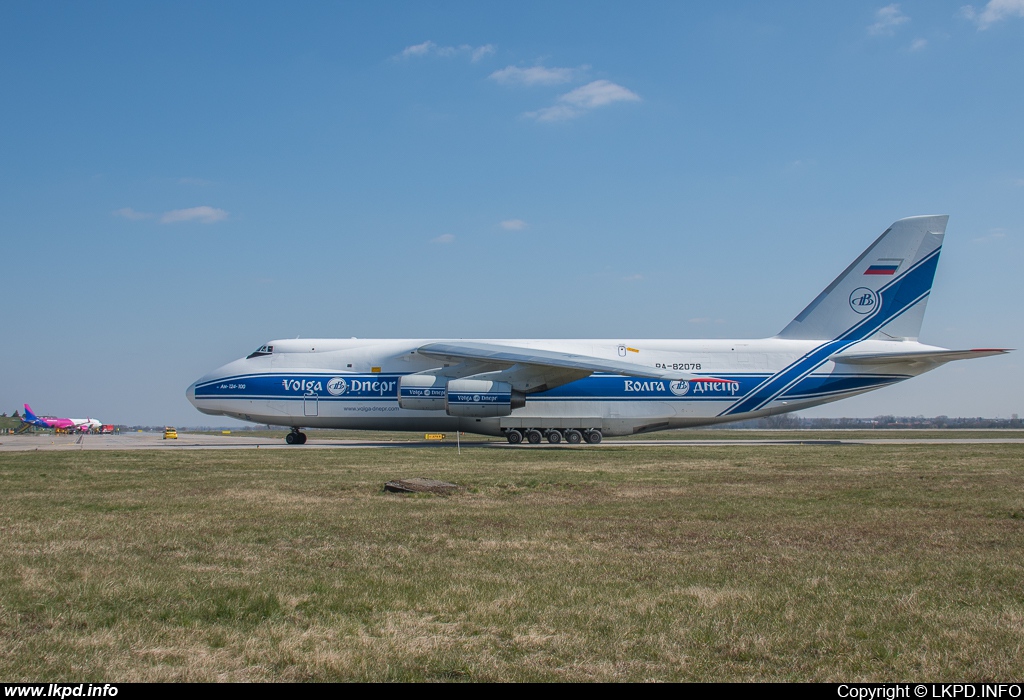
(290,438)
(514,437)
(302,438)
(594,437)
(554,437)
(534,437)
(573,437)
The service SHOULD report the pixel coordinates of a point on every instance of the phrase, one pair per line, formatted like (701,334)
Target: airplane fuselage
(330,383)
(68,424)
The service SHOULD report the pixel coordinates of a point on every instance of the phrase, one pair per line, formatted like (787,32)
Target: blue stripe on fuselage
(602,387)
(290,385)
(816,385)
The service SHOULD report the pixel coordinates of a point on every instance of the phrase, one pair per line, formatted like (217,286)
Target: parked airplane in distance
(859,334)
(82,425)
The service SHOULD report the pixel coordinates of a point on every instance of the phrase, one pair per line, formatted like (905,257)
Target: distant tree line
(794,422)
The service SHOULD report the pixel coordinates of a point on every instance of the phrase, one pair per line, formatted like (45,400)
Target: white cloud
(429,48)
(514,225)
(994,235)
(204,215)
(417,50)
(994,11)
(918,44)
(482,52)
(537,75)
(444,238)
(129,213)
(800,165)
(554,114)
(887,19)
(598,93)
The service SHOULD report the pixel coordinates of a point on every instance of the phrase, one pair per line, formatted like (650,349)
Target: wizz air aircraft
(83,425)
(859,334)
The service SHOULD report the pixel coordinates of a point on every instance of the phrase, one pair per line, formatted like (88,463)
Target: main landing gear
(295,437)
(554,436)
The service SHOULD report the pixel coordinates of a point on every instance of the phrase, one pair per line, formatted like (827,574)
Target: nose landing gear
(295,437)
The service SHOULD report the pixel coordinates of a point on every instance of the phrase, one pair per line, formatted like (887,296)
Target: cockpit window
(263,350)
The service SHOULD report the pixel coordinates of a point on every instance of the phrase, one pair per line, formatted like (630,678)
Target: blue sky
(181,182)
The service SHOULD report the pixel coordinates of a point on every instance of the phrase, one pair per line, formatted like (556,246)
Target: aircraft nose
(190,393)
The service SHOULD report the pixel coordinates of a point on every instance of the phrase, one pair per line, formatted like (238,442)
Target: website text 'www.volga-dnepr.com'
(61,690)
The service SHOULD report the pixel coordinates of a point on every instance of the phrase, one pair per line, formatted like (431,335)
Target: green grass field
(731,563)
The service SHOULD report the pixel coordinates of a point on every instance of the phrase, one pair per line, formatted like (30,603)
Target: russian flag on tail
(885,266)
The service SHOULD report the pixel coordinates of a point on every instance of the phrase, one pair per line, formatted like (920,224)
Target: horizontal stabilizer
(925,357)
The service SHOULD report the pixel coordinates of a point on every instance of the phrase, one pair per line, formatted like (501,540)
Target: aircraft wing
(500,356)
(924,357)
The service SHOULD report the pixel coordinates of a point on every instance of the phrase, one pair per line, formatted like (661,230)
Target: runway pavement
(187,441)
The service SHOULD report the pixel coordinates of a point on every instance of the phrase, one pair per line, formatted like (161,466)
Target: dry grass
(724,563)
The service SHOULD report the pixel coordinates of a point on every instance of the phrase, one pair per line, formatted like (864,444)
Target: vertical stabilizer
(884,292)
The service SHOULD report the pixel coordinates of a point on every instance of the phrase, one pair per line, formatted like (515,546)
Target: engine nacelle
(422,392)
(481,398)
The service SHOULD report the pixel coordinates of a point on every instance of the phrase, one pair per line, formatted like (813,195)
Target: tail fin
(29,416)
(883,293)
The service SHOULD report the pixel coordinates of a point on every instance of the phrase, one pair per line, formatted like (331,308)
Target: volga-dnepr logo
(680,388)
(863,300)
(337,386)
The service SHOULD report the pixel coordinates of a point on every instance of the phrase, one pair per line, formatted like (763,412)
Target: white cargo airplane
(858,335)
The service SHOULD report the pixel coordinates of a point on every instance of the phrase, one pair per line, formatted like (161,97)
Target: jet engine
(481,398)
(422,392)
(473,398)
